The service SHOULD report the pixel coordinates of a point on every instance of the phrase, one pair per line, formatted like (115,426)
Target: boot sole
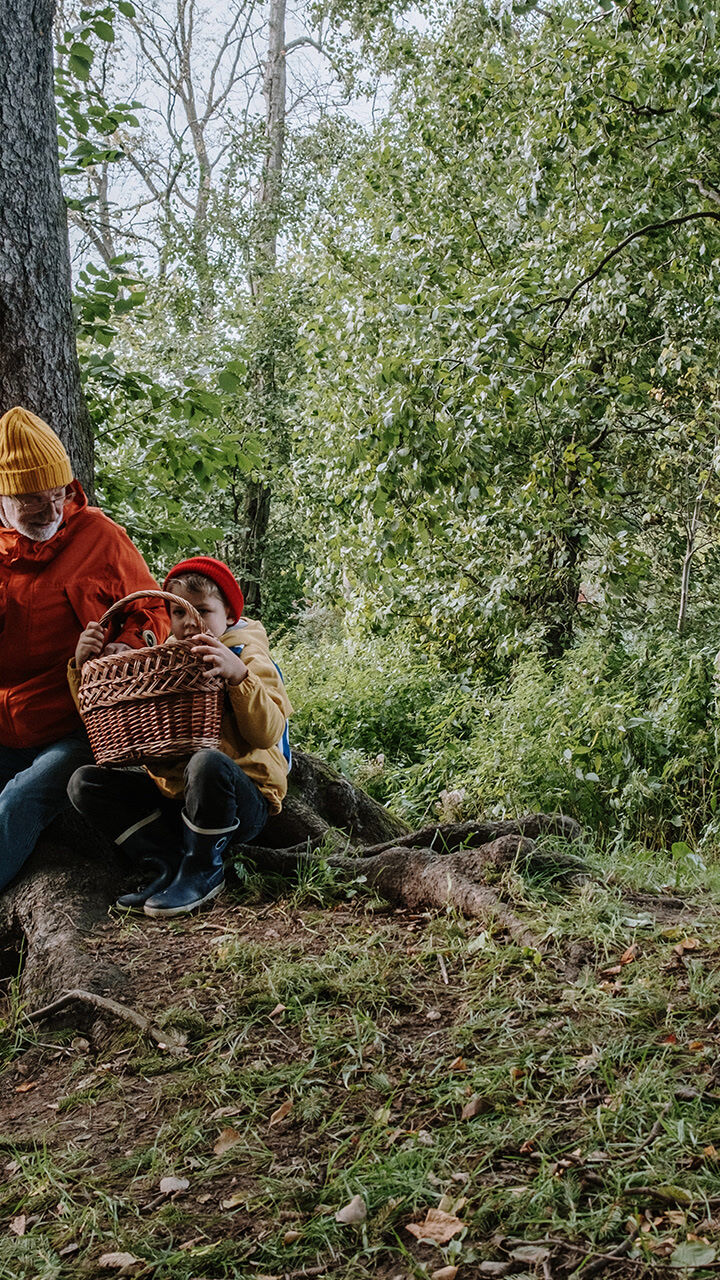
(166,913)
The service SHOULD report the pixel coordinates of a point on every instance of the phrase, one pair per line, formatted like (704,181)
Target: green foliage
(621,733)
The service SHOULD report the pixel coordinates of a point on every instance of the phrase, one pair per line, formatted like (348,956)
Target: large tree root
(47,914)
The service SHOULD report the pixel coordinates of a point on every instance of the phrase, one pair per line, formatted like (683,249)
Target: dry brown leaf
(279,1008)
(612,972)
(69,1248)
(631,954)
(17,1226)
(458,1064)
(169,1185)
(26,1087)
(444,1273)
(687,944)
(232,1202)
(117,1261)
(439,1227)
(291,1236)
(282,1111)
(530,1253)
(226,1139)
(353,1212)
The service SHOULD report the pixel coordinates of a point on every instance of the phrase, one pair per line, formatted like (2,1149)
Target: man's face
(37,516)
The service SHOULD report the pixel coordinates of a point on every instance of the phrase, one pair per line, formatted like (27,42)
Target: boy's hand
(219,659)
(90,644)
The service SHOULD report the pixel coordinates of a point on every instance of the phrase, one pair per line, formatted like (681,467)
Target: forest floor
(476,1108)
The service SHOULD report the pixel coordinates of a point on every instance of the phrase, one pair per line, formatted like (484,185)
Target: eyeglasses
(29,502)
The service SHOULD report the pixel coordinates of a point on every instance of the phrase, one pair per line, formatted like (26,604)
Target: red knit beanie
(218,573)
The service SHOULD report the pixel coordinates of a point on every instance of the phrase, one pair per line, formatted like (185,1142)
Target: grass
(417,1061)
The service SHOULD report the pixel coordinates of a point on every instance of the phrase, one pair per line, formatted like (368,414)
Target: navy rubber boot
(158,874)
(201,876)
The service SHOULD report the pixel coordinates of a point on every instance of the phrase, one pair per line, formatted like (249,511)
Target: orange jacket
(49,591)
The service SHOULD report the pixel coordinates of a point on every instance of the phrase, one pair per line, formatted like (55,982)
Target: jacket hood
(16,549)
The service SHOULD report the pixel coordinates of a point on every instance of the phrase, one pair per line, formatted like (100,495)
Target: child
(178,819)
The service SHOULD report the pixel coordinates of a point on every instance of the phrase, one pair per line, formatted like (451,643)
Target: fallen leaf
(353,1212)
(169,1185)
(695,1046)
(291,1236)
(279,1008)
(17,1226)
(117,1261)
(612,972)
(499,1269)
(693,1253)
(12,1167)
(444,1273)
(530,1253)
(26,1087)
(232,1202)
(686,944)
(475,1106)
(631,954)
(458,1064)
(282,1111)
(190,1244)
(438,1227)
(226,1139)
(69,1248)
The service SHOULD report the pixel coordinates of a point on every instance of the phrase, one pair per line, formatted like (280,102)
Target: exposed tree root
(48,912)
(169,1039)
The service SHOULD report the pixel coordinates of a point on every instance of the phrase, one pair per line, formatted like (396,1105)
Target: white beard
(36,533)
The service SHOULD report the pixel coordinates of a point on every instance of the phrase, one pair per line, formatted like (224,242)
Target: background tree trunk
(258,498)
(38,359)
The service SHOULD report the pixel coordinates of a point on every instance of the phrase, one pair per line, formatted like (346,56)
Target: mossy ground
(418,1061)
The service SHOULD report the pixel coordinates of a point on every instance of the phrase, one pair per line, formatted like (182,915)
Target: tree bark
(38,358)
(258,497)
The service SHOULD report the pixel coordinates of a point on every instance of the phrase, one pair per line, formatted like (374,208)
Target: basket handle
(159,595)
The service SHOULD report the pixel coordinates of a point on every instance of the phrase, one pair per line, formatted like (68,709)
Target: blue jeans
(33,791)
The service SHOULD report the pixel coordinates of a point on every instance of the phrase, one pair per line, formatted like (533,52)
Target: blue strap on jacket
(284,743)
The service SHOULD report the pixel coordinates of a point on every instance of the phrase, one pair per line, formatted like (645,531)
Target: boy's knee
(207,763)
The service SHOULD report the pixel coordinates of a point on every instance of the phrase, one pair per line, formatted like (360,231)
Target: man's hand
(219,659)
(90,644)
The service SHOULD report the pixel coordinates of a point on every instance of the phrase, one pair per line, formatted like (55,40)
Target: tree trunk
(257,502)
(38,359)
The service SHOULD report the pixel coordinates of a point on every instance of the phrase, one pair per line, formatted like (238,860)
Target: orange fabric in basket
(49,591)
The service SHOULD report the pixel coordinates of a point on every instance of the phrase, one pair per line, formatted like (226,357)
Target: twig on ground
(601,1260)
(652,1135)
(164,1039)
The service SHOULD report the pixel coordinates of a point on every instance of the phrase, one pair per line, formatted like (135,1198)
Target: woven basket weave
(150,704)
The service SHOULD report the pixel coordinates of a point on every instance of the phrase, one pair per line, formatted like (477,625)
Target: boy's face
(212,610)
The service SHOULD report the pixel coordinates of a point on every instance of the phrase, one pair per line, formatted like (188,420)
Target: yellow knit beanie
(32,457)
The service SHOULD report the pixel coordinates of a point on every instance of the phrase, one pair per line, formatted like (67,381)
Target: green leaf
(693,1253)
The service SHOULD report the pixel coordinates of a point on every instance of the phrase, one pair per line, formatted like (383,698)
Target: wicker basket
(150,704)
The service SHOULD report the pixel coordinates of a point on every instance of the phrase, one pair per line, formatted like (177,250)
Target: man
(62,564)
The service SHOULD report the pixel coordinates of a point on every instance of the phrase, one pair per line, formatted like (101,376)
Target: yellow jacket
(253,719)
